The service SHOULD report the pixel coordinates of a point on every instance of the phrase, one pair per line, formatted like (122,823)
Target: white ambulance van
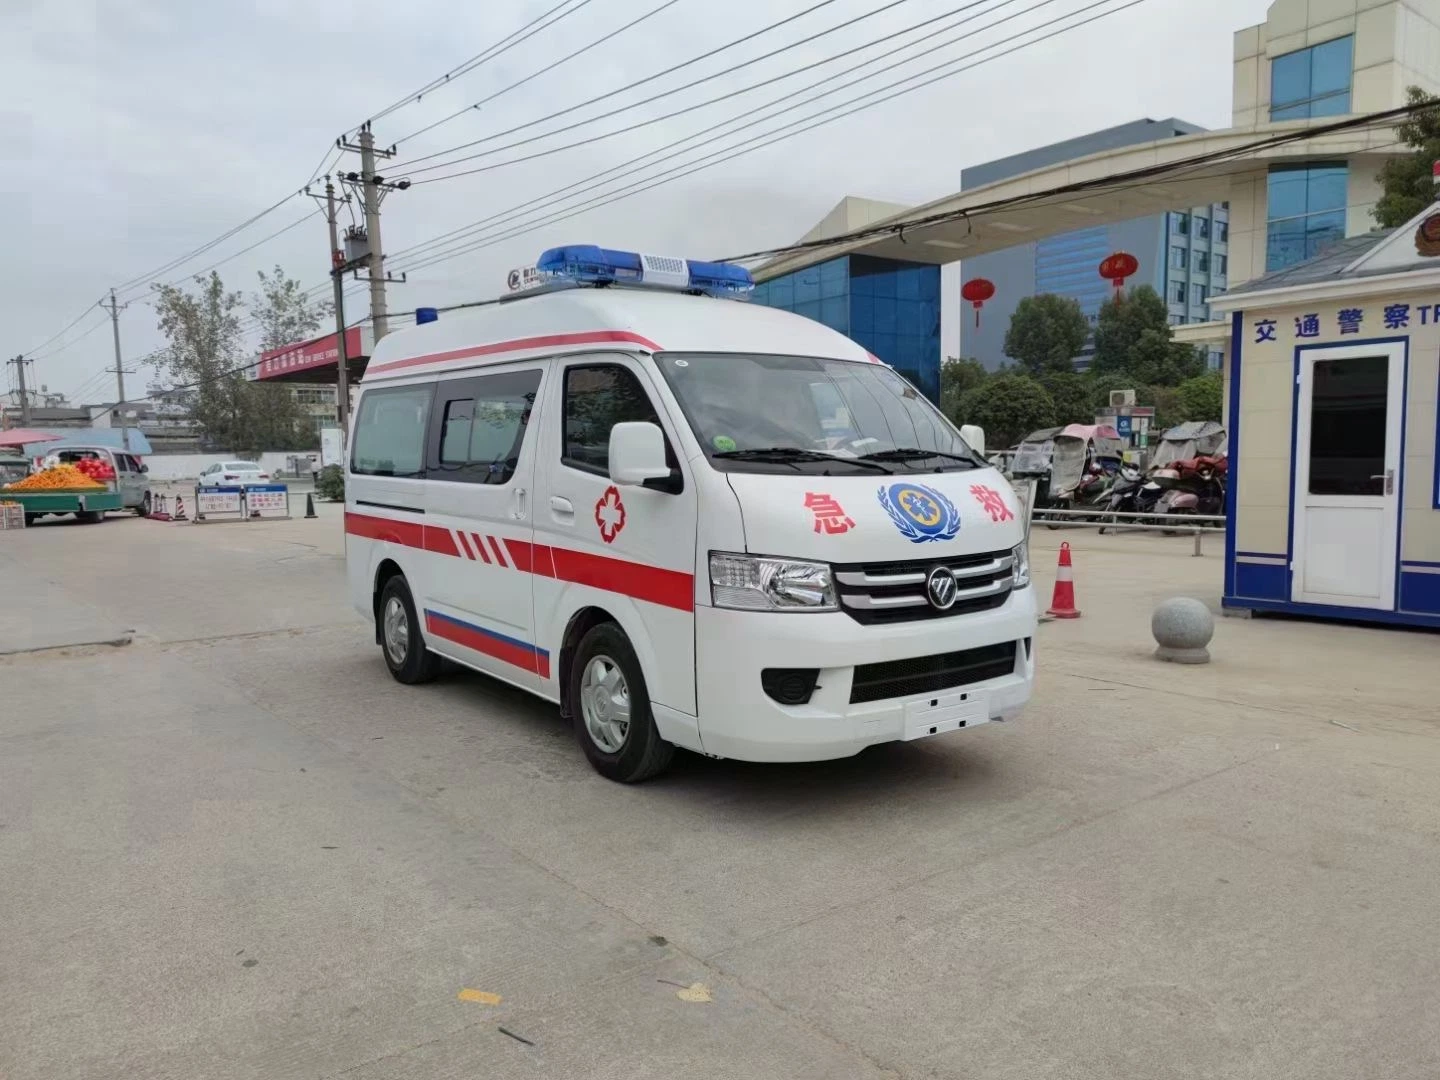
(689,521)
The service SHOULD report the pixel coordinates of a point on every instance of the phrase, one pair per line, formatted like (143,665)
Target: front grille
(894,592)
(927,674)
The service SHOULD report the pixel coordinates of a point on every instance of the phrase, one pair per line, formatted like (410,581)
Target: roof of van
(587,319)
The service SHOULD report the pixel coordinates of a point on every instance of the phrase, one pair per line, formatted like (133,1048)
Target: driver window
(597,397)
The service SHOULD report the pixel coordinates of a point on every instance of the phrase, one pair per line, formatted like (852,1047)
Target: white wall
(189,466)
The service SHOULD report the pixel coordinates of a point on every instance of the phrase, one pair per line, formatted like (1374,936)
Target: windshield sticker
(992,502)
(610,514)
(920,513)
(723,443)
(830,517)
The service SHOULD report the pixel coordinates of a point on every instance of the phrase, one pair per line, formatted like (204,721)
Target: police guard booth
(1332,383)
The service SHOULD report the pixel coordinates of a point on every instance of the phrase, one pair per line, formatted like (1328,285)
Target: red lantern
(1117,267)
(977,291)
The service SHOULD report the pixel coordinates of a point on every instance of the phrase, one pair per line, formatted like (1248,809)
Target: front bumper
(739,720)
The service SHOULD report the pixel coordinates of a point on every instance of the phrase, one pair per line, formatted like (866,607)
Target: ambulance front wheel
(406,656)
(611,708)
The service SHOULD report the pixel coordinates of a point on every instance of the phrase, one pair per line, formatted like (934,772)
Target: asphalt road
(235,848)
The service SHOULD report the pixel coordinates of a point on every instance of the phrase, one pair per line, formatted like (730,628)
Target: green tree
(286,315)
(204,354)
(1008,407)
(1133,335)
(1406,181)
(1199,398)
(1073,395)
(957,378)
(1046,333)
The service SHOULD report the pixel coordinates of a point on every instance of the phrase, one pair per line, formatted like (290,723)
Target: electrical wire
(678,112)
(640,82)
(807,123)
(58,349)
(503,45)
(749,113)
(246,250)
(535,74)
(68,327)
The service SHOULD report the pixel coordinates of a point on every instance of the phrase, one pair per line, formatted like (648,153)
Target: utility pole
(20,363)
(373,190)
(337,270)
(119,369)
(379,316)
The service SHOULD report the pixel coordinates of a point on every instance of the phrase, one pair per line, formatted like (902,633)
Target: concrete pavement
(236,848)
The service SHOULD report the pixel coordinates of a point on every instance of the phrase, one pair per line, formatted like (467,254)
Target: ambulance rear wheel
(406,656)
(611,707)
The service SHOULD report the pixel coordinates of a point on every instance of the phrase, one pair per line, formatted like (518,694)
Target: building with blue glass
(1183,255)
(890,307)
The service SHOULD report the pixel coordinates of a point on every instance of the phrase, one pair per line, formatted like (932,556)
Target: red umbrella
(22,436)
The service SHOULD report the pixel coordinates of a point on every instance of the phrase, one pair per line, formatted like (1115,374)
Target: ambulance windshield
(755,413)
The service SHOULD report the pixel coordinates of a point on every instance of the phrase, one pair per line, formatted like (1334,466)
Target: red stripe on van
(440,541)
(499,551)
(653,584)
(407,533)
(545,341)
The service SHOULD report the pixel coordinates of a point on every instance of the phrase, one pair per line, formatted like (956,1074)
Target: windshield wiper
(789,455)
(911,453)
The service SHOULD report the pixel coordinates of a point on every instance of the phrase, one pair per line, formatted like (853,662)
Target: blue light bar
(588,264)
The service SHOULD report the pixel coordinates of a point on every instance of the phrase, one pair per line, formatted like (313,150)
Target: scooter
(1132,493)
(1198,488)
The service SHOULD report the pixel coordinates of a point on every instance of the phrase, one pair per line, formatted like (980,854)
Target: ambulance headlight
(1020,567)
(752,583)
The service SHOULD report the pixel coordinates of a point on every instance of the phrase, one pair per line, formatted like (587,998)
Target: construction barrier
(254,503)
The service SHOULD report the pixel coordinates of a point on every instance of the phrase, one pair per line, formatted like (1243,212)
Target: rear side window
(390,432)
(480,425)
(597,397)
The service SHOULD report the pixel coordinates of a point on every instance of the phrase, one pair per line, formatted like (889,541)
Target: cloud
(141,129)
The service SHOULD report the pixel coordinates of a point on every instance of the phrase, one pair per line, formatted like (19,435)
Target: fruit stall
(86,489)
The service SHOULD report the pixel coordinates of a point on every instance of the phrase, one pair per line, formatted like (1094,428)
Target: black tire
(143,510)
(642,753)
(418,664)
(90,517)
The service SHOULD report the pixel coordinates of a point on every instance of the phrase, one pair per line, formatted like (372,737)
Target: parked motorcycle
(1193,486)
(1132,493)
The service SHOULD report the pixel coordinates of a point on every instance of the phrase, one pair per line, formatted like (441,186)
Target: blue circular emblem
(920,513)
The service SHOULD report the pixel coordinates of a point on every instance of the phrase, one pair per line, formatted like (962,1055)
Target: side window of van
(480,425)
(597,397)
(390,432)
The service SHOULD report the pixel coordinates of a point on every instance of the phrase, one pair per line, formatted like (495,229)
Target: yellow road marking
(481,997)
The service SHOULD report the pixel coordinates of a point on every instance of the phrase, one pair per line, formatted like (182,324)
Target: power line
(172,264)
(535,74)
(682,111)
(68,327)
(779,134)
(548,198)
(503,45)
(687,168)
(245,250)
(45,355)
(648,79)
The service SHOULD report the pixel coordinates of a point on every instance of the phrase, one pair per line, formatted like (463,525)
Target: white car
(233,474)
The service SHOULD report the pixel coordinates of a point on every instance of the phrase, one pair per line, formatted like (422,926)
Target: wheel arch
(386,569)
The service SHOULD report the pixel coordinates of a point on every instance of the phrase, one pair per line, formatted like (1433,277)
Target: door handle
(562,507)
(519,504)
(1389,477)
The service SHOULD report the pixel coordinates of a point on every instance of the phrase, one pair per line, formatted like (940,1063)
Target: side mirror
(974,436)
(637,453)
(144,468)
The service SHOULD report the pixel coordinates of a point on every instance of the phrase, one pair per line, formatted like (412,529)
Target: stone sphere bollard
(1182,628)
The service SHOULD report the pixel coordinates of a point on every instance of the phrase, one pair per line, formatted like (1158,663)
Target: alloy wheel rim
(605,704)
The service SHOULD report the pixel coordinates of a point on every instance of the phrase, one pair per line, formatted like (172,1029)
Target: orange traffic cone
(1062,602)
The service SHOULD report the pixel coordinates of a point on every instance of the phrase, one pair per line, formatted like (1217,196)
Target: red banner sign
(306,355)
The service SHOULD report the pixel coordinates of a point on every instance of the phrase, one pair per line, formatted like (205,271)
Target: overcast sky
(139,130)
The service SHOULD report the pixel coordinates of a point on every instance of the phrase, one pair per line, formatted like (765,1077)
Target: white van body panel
(505,572)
